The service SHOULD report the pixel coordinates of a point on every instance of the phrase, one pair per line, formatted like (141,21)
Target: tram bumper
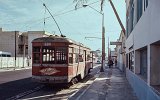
(51,79)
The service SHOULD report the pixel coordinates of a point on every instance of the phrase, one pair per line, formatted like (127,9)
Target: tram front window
(48,55)
(52,55)
(61,55)
(36,54)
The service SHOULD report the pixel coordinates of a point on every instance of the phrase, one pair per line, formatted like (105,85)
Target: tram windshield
(50,55)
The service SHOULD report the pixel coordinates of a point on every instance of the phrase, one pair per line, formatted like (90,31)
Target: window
(54,55)
(48,55)
(139,9)
(88,56)
(143,62)
(130,18)
(131,61)
(127,61)
(80,58)
(36,58)
(76,58)
(146,3)
(61,53)
(76,55)
(36,49)
(36,54)
(71,55)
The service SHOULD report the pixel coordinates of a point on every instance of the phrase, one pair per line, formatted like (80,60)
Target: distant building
(143,47)
(23,41)
(120,51)
(97,56)
(7,41)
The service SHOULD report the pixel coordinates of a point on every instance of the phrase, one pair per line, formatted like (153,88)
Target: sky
(79,24)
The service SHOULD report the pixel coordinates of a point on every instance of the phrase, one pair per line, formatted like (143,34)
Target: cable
(39,20)
(44,20)
(53,18)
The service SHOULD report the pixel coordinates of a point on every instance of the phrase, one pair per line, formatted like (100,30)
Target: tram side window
(88,57)
(70,55)
(76,55)
(36,54)
(81,56)
(76,58)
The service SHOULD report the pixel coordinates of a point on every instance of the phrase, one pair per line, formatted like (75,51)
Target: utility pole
(24,49)
(103,38)
(103,45)
(108,50)
(15,47)
(118,18)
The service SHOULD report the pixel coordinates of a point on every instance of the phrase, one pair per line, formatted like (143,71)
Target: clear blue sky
(28,15)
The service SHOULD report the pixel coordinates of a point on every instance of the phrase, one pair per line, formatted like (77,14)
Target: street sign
(115,43)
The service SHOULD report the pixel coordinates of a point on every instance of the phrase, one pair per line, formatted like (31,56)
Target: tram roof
(57,39)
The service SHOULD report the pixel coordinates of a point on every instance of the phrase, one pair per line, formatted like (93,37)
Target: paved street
(12,75)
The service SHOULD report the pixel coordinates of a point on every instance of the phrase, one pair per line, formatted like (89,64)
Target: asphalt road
(12,75)
(18,84)
(15,82)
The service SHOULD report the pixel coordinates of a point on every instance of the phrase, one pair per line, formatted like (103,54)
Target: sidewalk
(14,69)
(109,85)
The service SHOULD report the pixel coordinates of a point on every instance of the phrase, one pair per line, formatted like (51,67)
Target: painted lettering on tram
(49,71)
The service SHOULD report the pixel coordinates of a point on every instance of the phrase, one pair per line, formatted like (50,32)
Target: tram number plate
(47,44)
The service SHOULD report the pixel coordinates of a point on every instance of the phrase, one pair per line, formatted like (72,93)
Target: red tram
(59,60)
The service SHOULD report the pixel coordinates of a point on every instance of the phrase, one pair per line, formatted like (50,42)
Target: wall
(7,41)
(9,62)
(155,65)
(31,36)
(146,30)
(145,33)
(140,87)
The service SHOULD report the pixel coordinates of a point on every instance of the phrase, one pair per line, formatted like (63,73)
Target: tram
(59,60)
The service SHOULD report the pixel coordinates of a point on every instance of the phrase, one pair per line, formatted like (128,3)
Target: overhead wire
(44,19)
(62,13)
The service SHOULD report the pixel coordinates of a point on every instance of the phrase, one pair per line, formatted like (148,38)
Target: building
(21,40)
(120,51)
(8,40)
(143,47)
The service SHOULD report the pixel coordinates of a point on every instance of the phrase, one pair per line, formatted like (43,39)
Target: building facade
(8,41)
(143,47)
(120,51)
(19,43)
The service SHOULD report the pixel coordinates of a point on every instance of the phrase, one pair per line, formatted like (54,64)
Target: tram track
(20,95)
(55,92)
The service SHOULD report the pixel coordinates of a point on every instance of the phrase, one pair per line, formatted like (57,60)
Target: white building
(143,47)
(120,51)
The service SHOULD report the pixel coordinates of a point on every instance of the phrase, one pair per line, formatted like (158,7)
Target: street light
(103,38)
